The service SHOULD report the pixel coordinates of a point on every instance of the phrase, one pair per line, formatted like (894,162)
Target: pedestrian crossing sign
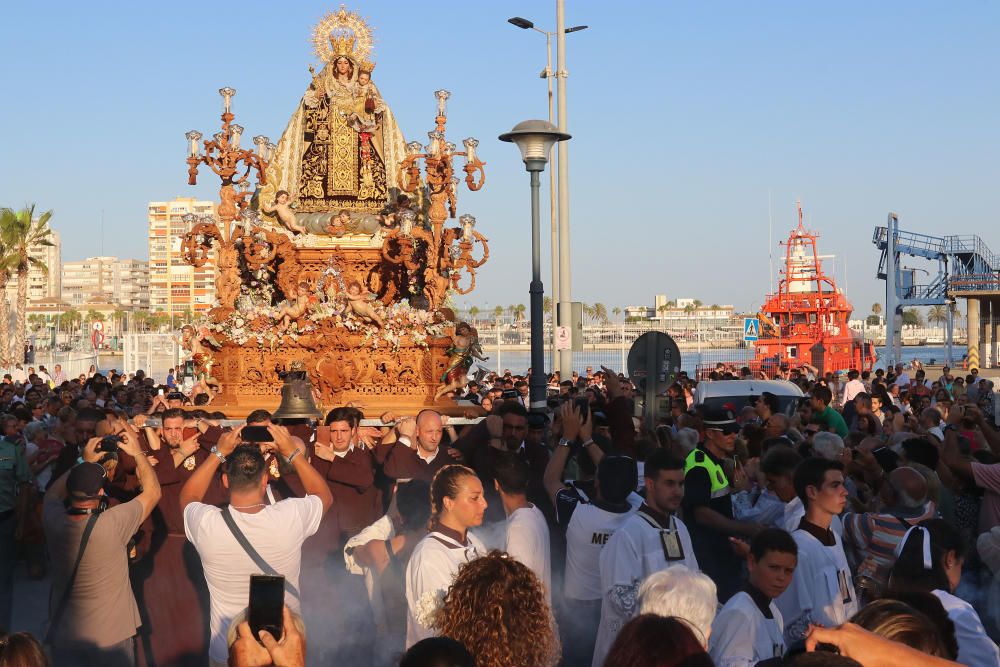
(751,329)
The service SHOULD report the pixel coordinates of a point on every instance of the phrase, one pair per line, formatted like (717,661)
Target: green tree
(697,303)
(876,309)
(937,314)
(547,304)
(519,312)
(912,317)
(21,231)
(473,314)
(118,318)
(498,312)
(70,320)
(92,316)
(690,309)
(662,310)
(601,313)
(616,311)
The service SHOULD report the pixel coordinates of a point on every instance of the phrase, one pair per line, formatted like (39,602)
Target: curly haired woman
(497,608)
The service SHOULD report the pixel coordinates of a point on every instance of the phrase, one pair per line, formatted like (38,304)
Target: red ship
(806,321)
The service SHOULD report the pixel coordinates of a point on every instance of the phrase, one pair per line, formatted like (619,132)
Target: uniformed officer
(708,507)
(14,473)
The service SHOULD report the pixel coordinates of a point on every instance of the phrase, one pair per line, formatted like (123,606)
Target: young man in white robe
(749,628)
(822,590)
(649,540)
(527,533)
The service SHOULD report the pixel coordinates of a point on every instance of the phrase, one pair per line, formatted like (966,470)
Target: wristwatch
(563,442)
(215,450)
(291,457)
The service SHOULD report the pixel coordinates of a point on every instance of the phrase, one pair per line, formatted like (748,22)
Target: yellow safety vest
(699,459)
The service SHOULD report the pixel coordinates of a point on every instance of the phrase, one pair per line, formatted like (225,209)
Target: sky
(693,123)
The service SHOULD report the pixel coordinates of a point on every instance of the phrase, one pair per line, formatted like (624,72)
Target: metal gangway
(964,264)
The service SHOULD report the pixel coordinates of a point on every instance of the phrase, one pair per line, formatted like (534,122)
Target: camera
(109,443)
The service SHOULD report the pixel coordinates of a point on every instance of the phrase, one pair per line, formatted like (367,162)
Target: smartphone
(160,392)
(267,599)
(583,405)
(256,434)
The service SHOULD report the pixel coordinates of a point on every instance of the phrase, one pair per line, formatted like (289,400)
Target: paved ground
(31,603)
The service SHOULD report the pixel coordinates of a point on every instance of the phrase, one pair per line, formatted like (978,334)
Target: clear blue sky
(685,117)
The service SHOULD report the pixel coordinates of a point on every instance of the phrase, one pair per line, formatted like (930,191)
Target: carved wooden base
(343,368)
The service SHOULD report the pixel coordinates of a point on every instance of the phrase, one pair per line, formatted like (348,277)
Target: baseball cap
(85,480)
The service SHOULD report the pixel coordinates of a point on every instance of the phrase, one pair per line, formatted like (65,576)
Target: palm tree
(69,321)
(601,313)
(697,303)
(616,311)
(546,304)
(588,311)
(21,231)
(937,314)
(473,313)
(498,312)
(118,318)
(140,319)
(92,316)
(690,308)
(665,307)
(519,312)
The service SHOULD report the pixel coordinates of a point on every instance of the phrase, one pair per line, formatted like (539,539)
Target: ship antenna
(798,205)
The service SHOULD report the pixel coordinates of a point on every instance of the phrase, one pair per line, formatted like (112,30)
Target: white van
(713,394)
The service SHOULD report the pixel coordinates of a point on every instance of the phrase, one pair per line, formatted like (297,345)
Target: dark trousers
(79,654)
(8,558)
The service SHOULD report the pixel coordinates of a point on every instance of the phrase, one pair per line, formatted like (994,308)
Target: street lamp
(534,138)
(556,259)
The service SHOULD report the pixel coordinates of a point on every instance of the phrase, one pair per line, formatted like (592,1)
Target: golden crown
(366,66)
(343,45)
(342,33)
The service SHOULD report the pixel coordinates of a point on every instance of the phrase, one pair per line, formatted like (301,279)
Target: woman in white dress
(457,504)
(929,559)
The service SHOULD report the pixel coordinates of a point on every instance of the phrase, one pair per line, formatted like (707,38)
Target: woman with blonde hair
(497,608)
(457,504)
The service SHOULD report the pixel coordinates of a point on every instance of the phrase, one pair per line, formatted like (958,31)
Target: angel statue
(199,342)
(464,348)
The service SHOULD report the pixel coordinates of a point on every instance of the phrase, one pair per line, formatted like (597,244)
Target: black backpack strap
(254,556)
(61,607)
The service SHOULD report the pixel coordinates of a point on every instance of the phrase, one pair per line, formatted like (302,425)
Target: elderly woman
(41,452)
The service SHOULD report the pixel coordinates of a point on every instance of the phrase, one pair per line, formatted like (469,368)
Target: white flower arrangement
(427,607)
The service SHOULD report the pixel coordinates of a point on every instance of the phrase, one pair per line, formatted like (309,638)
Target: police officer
(14,475)
(708,506)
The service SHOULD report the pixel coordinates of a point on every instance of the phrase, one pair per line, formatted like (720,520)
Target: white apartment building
(122,282)
(176,287)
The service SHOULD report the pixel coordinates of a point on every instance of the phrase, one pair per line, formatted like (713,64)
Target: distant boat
(806,320)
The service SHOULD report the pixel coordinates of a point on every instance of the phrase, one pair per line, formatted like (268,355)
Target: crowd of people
(857,525)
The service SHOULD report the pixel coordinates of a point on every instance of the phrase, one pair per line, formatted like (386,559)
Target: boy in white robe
(648,541)
(822,590)
(749,627)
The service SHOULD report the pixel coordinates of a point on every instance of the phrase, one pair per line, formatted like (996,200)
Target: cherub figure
(338,223)
(281,208)
(359,304)
(293,309)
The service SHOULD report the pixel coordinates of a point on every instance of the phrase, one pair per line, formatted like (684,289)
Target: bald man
(776,426)
(870,538)
(417,454)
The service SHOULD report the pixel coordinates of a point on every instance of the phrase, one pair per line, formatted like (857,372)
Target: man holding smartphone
(233,542)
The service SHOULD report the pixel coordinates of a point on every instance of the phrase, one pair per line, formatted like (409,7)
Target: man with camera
(93,616)
(249,535)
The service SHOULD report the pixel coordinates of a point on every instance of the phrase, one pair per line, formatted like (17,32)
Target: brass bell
(296,396)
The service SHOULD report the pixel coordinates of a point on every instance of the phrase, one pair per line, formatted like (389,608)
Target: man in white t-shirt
(275,531)
(527,534)
(853,387)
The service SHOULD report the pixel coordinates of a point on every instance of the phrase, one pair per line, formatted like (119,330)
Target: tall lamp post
(548,75)
(534,138)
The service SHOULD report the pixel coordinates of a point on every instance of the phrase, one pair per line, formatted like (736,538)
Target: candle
(235,132)
(193,136)
(227,98)
(442,97)
(470,149)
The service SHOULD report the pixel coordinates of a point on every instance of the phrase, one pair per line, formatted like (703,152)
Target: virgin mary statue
(342,148)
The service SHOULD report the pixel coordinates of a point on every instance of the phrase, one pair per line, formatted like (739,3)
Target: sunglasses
(728,429)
